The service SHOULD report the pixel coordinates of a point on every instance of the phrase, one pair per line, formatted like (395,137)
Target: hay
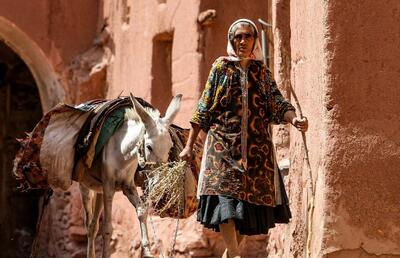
(165,187)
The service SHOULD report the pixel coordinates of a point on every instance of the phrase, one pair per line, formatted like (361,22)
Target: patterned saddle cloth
(100,119)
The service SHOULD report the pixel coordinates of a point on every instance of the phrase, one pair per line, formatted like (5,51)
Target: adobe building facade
(340,57)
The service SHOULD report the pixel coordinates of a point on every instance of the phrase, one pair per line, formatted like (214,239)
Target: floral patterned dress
(236,108)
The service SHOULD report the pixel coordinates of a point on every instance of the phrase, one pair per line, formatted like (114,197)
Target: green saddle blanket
(111,124)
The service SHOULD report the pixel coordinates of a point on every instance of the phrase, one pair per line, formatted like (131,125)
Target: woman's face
(243,41)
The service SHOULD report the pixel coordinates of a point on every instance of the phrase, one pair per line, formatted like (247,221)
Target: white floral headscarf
(256,54)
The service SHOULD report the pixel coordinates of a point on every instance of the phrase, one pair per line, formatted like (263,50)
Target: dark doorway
(161,71)
(20,110)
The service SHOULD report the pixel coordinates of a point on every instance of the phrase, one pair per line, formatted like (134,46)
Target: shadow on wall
(20,110)
(50,89)
(161,71)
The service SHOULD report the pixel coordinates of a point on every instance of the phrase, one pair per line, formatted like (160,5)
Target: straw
(165,186)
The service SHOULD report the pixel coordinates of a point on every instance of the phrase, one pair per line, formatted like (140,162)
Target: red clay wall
(135,26)
(362,135)
(308,79)
(62,29)
(345,71)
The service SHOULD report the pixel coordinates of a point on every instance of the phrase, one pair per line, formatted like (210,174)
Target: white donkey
(116,170)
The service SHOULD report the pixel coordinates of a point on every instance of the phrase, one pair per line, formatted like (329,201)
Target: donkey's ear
(147,120)
(172,109)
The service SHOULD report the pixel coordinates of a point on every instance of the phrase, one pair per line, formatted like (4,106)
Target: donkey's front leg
(131,193)
(108,195)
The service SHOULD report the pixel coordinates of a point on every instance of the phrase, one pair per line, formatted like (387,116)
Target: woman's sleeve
(202,115)
(277,105)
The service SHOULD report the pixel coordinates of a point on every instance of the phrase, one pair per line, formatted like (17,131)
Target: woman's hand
(300,123)
(186,154)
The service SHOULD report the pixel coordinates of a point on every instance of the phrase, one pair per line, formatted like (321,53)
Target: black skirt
(250,219)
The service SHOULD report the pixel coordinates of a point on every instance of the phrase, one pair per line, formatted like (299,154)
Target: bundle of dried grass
(165,187)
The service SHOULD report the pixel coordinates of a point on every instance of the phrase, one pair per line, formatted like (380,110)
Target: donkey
(117,166)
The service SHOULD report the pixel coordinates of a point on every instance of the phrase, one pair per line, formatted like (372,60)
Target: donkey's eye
(149,147)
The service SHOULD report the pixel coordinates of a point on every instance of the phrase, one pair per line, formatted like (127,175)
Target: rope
(176,235)
(157,241)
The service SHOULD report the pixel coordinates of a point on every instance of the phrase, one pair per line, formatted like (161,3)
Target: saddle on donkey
(67,134)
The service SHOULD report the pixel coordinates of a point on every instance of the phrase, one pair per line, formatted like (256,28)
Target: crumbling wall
(62,31)
(136,26)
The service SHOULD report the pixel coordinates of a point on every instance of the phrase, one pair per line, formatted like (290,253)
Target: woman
(239,173)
